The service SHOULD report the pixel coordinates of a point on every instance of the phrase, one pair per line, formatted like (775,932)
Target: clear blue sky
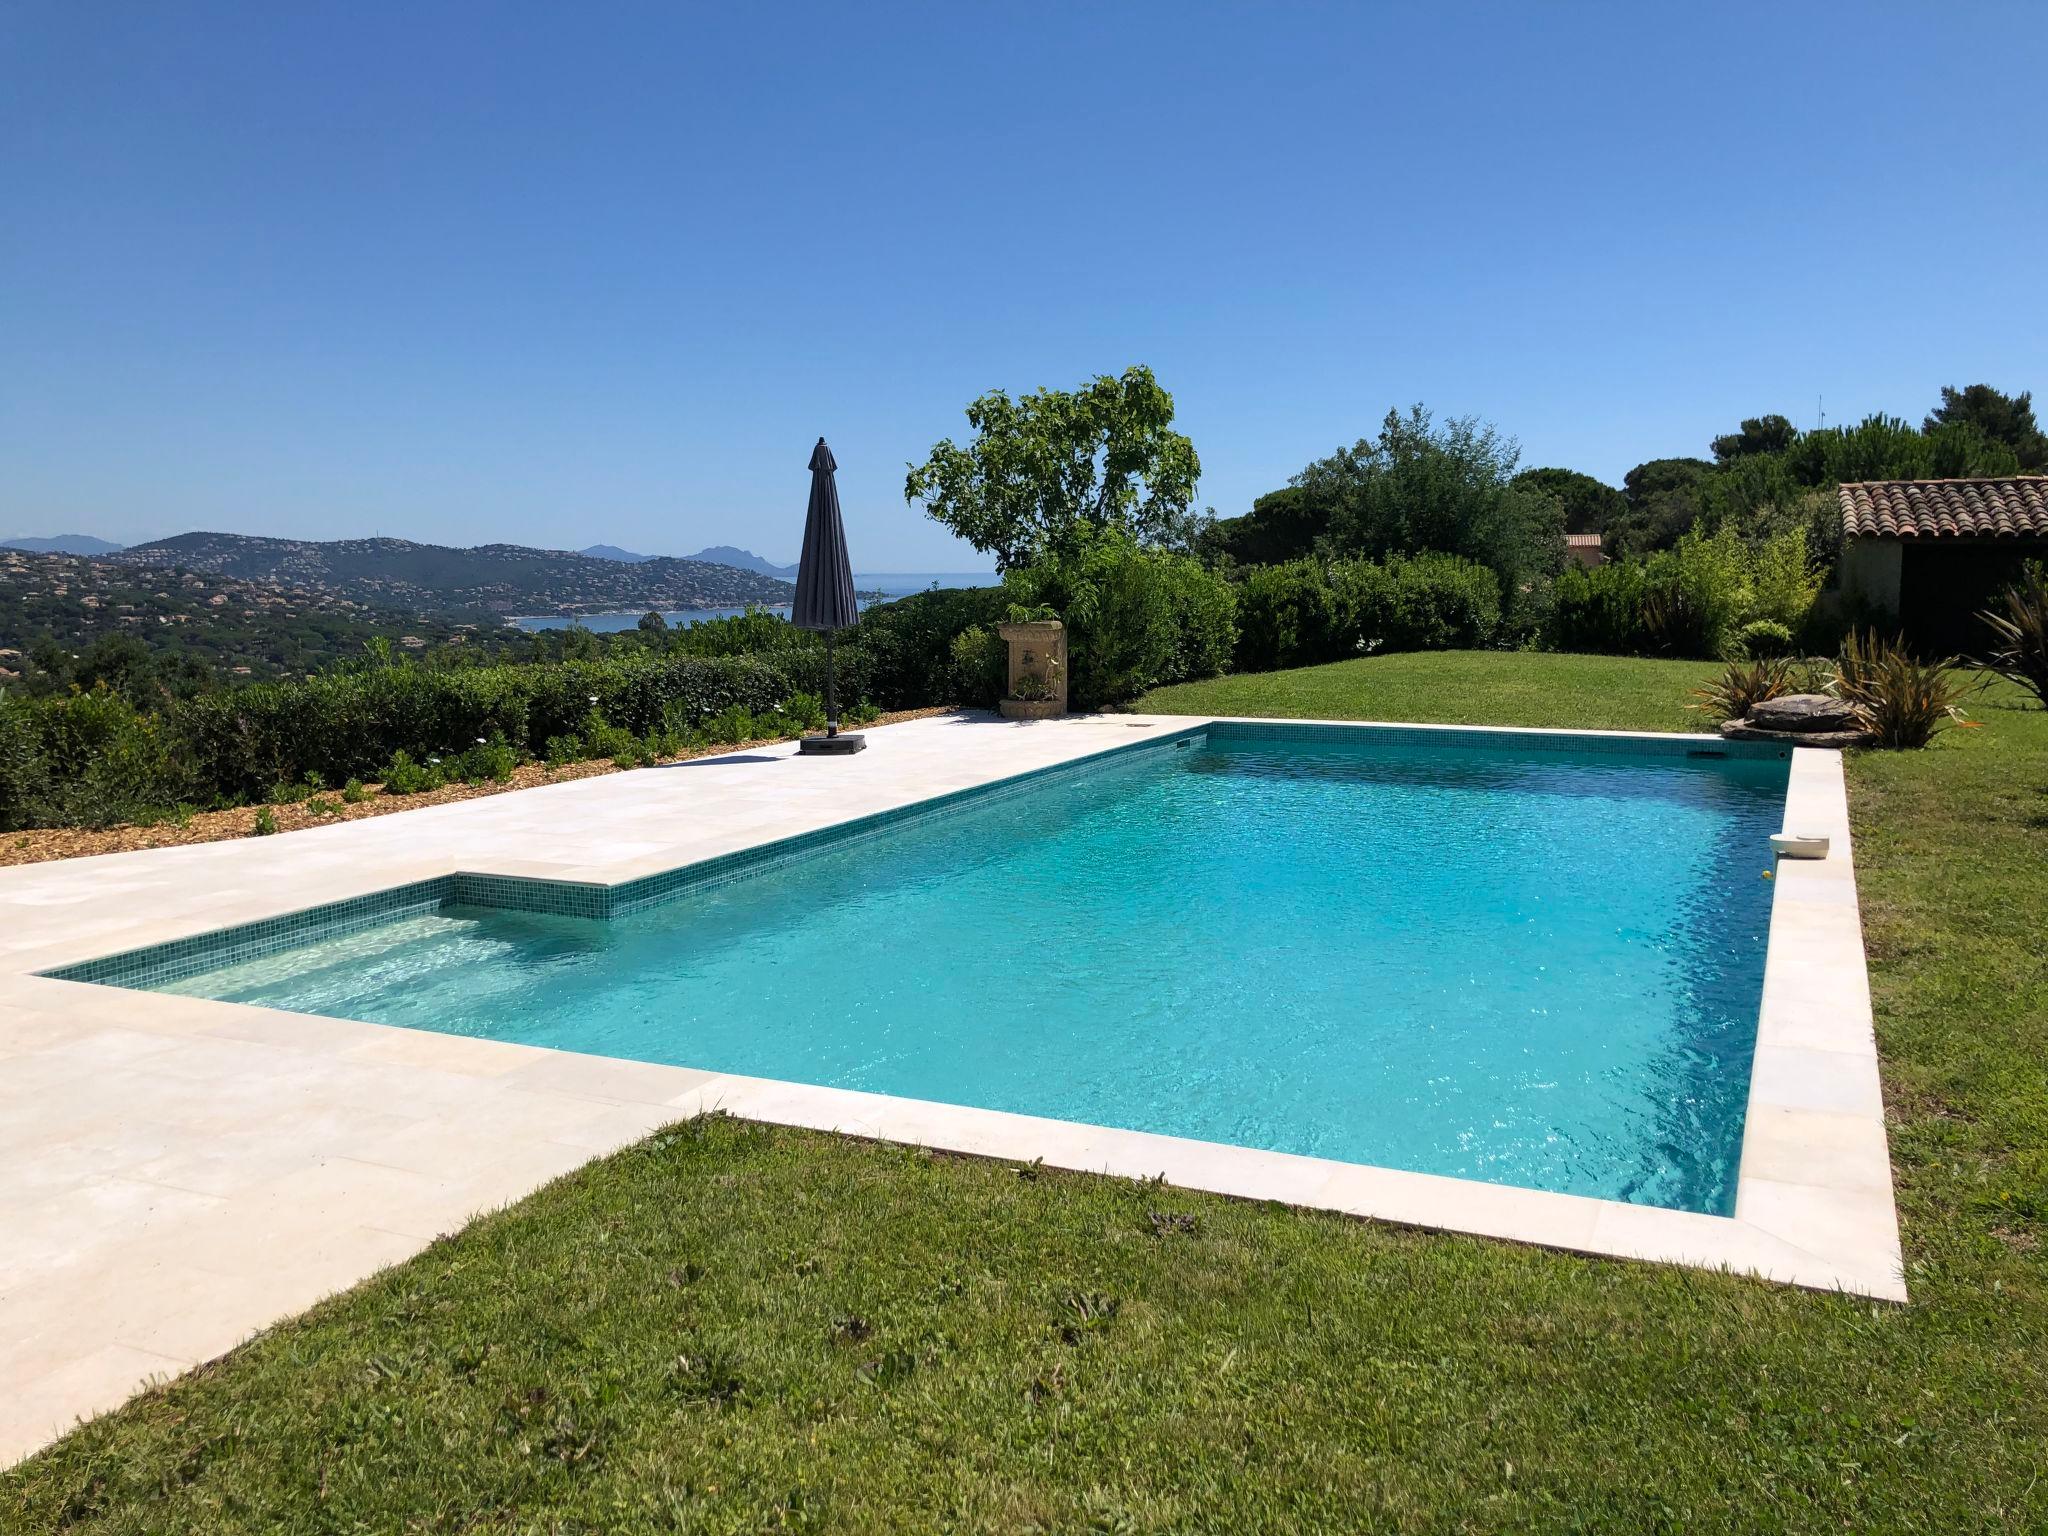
(563,273)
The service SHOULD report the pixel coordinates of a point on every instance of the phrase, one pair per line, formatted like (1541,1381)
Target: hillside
(493,579)
(54,606)
(745,560)
(62,544)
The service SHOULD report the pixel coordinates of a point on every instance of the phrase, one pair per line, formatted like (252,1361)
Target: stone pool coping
(177,1173)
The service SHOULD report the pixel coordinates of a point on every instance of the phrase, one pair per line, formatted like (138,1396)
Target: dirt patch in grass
(47,843)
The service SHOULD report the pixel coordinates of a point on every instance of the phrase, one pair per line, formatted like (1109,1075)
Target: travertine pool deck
(177,1173)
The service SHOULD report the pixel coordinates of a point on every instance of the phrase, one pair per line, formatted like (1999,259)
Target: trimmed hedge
(1305,611)
(908,644)
(93,759)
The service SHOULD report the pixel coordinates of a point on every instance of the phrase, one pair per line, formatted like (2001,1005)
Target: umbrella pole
(831,698)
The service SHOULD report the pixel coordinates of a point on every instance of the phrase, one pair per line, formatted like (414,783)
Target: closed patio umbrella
(824,589)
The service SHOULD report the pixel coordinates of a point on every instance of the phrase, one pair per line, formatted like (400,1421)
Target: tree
(1282,525)
(1589,504)
(1043,471)
(1419,486)
(1663,501)
(1759,434)
(652,623)
(2003,418)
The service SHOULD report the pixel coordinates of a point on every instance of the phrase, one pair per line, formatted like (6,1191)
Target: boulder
(1743,730)
(1804,714)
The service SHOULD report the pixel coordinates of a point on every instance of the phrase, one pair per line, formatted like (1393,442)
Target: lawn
(1585,693)
(738,1328)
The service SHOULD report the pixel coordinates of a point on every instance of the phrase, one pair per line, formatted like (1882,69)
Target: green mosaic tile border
(1696,747)
(161,964)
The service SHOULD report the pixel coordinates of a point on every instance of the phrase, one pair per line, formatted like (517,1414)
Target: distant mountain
(613,552)
(501,579)
(744,560)
(80,606)
(62,544)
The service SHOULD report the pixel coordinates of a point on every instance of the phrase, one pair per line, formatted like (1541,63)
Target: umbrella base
(832,746)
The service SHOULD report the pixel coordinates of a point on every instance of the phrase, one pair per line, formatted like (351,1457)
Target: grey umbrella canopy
(824,575)
(824,590)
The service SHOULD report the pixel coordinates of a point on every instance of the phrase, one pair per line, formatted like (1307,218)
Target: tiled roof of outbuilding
(1946,509)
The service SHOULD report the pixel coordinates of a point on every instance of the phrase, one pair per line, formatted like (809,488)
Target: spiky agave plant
(1900,699)
(1744,683)
(2022,633)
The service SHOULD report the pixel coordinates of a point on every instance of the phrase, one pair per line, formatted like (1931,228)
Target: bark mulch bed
(46,843)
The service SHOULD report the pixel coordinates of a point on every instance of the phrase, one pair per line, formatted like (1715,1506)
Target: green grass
(736,1328)
(1596,693)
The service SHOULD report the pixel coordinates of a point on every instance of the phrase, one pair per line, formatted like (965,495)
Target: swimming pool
(1530,960)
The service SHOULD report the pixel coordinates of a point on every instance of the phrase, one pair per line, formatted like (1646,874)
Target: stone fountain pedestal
(1038,651)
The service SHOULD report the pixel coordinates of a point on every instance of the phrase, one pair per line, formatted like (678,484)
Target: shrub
(981,664)
(488,761)
(24,771)
(1441,602)
(407,777)
(1707,596)
(1761,639)
(1288,616)
(1118,603)
(1699,590)
(1783,582)
(94,758)
(265,824)
(1201,617)
(801,712)
(1901,700)
(730,727)
(1601,609)
(1302,613)
(907,645)
(1362,598)
(752,633)
(2021,632)
(88,759)
(1744,683)
(353,793)
(1674,623)
(1425,602)
(601,740)
(292,794)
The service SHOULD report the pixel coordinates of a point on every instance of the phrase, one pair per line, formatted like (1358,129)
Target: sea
(889,583)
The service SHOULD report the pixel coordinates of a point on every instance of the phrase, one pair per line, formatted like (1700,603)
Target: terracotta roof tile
(1946,509)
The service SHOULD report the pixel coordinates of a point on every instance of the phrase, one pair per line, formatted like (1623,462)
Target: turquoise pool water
(1536,967)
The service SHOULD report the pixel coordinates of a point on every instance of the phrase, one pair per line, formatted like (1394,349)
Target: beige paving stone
(1794,1077)
(1856,1228)
(463,1054)
(69,1224)
(40,1410)
(598,1077)
(1802,1146)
